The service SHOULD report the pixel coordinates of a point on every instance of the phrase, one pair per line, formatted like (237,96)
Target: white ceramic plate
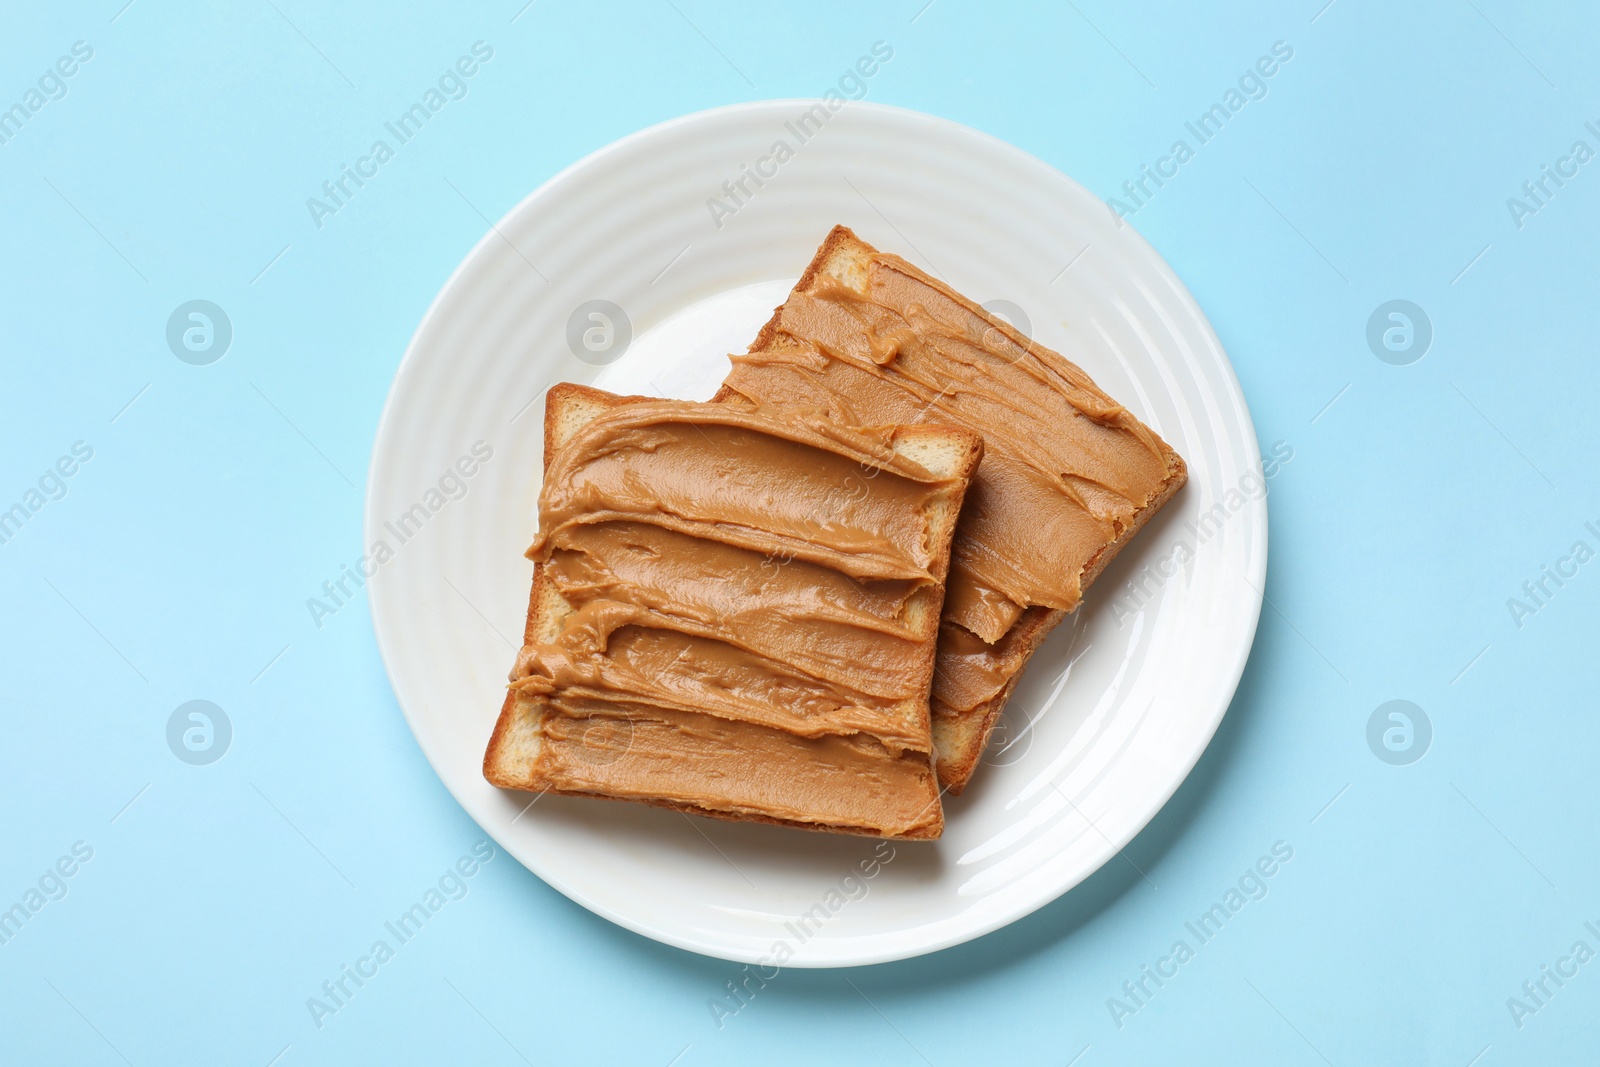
(1114,710)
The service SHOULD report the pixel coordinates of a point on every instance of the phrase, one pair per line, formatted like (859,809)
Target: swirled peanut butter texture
(1068,474)
(735,614)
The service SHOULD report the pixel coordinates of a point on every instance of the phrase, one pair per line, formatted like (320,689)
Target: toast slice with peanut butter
(735,613)
(1068,476)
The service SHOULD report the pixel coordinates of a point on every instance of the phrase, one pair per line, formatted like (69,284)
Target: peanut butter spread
(742,630)
(1065,468)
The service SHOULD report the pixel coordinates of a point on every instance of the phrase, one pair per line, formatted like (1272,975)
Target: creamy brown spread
(738,586)
(1065,467)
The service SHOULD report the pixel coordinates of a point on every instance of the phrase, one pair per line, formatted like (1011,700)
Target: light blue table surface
(207,904)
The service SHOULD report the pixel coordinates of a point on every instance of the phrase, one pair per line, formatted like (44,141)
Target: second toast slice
(1069,475)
